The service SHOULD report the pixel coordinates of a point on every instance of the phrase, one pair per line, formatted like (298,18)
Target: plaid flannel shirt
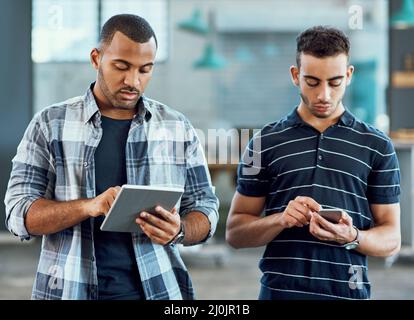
(55,160)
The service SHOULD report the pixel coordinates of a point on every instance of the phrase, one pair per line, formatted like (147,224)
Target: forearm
(47,216)
(380,241)
(197,227)
(246,230)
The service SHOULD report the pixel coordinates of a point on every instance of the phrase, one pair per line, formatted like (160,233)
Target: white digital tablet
(133,199)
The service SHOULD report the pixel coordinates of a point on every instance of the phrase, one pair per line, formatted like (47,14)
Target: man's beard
(112,97)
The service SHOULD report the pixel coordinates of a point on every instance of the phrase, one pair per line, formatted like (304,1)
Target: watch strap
(179,238)
(354,243)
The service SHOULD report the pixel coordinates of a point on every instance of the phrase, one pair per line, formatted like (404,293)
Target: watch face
(351,245)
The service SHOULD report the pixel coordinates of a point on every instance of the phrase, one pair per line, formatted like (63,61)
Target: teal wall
(363,91)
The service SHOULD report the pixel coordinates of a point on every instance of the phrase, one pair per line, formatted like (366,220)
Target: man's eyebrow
(148,64)
(311,77)
(122,61)
(317,79)
(130,64)
(336,78)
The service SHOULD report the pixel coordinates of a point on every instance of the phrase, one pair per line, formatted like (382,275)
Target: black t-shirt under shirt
(118,276)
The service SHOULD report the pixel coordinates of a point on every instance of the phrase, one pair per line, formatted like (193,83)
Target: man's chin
(125,106)
(321,115)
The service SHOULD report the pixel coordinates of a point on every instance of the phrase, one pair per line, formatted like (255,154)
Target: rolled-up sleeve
(198,192)
(30,179)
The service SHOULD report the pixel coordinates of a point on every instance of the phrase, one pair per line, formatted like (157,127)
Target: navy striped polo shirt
(349,166)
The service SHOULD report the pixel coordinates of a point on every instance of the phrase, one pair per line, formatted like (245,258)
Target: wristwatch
(179,238)
(354,243)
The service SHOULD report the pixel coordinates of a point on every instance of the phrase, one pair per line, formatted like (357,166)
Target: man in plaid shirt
(74,156)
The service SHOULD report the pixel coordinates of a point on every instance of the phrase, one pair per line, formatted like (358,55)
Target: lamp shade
(210,59)
(195,24)
(404,18)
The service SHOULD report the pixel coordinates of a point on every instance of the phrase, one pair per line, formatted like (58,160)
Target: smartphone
(332,215)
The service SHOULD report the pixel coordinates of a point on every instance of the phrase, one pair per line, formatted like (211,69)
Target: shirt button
(322,136)
(93,259)
(320,157)
(85,164)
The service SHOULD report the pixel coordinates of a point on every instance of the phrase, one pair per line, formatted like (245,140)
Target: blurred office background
(225,65)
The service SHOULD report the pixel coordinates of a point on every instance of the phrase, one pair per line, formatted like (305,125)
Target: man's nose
(132,79)
(325,93)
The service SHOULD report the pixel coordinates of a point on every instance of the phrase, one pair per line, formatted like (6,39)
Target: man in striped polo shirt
(318,156)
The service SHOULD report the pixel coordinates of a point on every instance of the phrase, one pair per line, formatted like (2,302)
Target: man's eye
(312,83)
(335,83)
(146,70)
(121,67)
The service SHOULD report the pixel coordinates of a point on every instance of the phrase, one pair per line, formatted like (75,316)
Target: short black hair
(134,27)
(321,42)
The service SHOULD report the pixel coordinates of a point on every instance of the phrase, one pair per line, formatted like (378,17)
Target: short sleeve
(384,178)
(252,177)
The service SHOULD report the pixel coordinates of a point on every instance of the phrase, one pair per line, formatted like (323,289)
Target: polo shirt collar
(293,119)
(347,119)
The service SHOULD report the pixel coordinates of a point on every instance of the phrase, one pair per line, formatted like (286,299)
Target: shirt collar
(293,119)
(92,109)
(347,118)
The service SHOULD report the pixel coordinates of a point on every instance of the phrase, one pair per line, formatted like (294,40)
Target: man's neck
(320,124)
(107,109)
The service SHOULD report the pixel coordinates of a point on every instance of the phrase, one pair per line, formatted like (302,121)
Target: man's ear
(95,58)
(294,73)
(349,74)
